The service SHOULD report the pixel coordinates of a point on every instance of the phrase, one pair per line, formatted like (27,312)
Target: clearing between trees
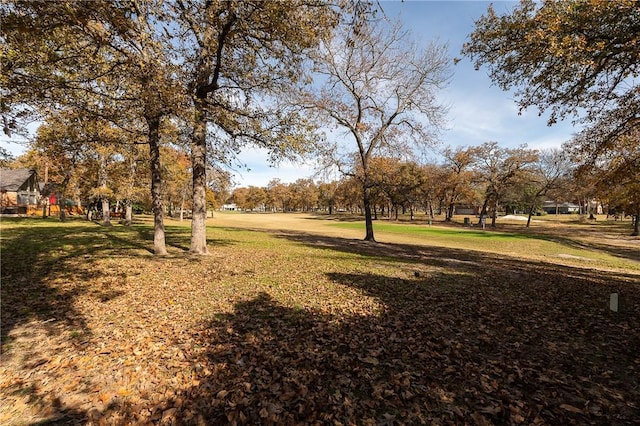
(293,319)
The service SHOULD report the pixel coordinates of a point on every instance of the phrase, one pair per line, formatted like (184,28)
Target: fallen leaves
(319,335)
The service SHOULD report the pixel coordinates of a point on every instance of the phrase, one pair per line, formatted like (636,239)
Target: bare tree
(552,166)
(379,87)
(498,168)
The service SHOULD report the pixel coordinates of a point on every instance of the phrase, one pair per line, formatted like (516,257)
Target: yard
(293,319)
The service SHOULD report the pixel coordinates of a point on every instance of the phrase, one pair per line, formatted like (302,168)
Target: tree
(239,197)
(278,195)
(615,174)
(546,174)
(349,194)
(380,88)
(5,157)
(78,55)
(327,194)
(428,192)
(457,177)
(61,141)
(176,169)
(304,194)
(219,186)
(568,57)
(130,181)
(577,59)
(237,54)
(498,168)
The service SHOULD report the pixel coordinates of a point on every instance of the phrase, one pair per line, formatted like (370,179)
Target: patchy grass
(298,321)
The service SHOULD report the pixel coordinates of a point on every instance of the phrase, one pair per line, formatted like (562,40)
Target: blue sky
(478,111)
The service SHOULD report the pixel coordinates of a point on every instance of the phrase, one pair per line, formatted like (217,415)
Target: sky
(478,111)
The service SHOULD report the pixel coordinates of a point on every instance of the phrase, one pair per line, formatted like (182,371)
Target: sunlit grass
(526,245)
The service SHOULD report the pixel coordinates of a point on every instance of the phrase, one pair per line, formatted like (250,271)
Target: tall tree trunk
(483,212)
(530,214)
(368,220)
(61,196)
(128,213)
(106,212)
(106,219)
(61,202)
(46,181)
(494,214)
(636,227)
(159,246)
(198,161)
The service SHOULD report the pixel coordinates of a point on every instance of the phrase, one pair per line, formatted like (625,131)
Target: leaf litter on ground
(292,328)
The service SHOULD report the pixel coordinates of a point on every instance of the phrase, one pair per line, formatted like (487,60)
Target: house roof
(12,179)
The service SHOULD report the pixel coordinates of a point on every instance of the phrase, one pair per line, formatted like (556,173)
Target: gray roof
(12,179)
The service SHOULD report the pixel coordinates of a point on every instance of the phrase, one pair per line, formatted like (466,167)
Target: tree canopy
(572,58)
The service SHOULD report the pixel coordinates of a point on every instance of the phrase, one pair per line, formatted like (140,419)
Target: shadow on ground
(462,338)
(469,339)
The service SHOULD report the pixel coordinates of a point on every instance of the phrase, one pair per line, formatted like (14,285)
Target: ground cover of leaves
(298,328)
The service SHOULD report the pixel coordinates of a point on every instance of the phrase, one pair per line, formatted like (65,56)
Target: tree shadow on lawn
(587,238)
(624,252)
(466,260)
(474,339)
(478,340)
(45,269)
(33,257)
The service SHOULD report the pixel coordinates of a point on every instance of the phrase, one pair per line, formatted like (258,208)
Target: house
(467,209)
(230,207)
(552,207)
(19,191)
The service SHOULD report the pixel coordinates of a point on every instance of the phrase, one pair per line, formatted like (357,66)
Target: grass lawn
(292,319)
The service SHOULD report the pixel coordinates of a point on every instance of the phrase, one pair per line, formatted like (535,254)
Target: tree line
(486,179)
(169,92)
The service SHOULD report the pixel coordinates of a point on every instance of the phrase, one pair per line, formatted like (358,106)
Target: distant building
(552,207)
(467,209)
(229,207)
(19,191)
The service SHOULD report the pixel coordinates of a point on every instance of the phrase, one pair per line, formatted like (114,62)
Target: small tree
(498,168)
(457,177)
(546,174)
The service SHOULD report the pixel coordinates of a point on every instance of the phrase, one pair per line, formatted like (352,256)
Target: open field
(293,320)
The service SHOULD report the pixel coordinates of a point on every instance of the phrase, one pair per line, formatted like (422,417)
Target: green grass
(560,247)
